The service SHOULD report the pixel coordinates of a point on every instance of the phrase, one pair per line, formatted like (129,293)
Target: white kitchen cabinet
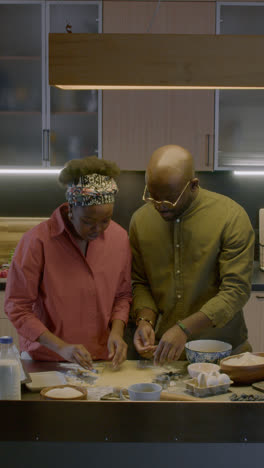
(254,317)
(40,125)
(6,327)
(239,114)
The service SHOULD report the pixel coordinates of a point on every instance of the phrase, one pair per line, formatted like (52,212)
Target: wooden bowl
(243,374)
(83,391)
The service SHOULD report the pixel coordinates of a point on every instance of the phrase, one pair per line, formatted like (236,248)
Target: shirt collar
(57,221)
(193,205)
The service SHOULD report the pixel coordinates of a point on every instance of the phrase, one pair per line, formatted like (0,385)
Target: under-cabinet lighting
(30,171)
(249,173)
(128,87)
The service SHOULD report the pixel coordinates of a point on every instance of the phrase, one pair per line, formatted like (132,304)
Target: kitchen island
(215,433)
(128,434)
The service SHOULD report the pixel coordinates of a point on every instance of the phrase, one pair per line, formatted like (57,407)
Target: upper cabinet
(135,123)
(239,141)
(40,125)
(21,103)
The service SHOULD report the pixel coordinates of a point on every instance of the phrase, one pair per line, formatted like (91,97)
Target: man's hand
(144,339)
(76,353)
(117,349)
(170,346)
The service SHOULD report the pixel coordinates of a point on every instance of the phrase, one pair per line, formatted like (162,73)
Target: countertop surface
(220,421)
(125,421)
(257,278)
(129,373)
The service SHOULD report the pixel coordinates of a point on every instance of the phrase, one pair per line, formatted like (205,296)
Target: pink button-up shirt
(51,285)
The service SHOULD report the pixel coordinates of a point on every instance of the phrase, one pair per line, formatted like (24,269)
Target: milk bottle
(10,386)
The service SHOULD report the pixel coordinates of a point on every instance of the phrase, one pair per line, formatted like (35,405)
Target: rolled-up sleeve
(22,287)
(235,268)
(123,297)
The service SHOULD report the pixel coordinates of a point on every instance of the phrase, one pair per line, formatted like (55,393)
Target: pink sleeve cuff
(31,329)
(121,311)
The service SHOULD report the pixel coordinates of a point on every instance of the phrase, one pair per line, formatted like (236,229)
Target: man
(192,261)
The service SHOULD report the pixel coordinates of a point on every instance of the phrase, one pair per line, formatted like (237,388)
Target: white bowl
(206,367)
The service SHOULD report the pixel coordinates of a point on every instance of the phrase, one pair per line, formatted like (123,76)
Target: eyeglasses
(164,203)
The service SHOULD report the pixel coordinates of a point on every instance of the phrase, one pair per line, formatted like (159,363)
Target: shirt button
(178,296)
(178,272)
(177,245)
(178,220)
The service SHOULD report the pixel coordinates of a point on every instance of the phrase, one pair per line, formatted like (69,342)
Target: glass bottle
(10,384)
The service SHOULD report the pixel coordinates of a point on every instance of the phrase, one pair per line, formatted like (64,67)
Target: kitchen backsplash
(38,196)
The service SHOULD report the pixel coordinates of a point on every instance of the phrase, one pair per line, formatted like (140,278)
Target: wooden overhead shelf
(156,61)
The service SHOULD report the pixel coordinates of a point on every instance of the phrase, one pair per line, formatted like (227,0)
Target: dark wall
(247,191)
(39,196)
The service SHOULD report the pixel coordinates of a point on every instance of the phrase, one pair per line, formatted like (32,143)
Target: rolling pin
(165,396)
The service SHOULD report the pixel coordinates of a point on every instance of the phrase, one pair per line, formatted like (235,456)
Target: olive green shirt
(202,261)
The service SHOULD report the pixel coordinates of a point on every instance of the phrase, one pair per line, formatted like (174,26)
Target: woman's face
(91,221)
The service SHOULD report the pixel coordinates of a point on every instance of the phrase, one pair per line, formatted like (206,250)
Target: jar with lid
(10,385)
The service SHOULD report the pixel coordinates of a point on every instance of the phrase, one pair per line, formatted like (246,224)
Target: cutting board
(259,386)
(11,231)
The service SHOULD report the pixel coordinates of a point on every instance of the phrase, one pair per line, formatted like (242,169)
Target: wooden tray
(80,389)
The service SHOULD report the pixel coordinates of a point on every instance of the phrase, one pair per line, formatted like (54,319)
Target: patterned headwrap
(92,189)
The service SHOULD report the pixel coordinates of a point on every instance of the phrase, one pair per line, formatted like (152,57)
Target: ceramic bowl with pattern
(207,350)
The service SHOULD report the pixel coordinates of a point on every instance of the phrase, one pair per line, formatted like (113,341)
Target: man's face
(91,221)
(178,194)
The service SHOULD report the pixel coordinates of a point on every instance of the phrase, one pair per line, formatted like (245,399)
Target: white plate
(45,379)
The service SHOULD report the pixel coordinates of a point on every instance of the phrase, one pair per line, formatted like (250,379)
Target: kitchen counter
(114,379)
(218,419)
(257,278)
(129,434)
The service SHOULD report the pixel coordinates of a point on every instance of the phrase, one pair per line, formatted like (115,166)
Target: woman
(69,289)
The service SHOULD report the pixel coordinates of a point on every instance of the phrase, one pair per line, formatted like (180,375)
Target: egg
(215,374)
(212,381)
(223,379)
(202,380)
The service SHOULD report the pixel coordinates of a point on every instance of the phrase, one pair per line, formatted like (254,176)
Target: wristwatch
(145,319)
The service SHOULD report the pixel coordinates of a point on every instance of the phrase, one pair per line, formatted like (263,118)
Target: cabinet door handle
(207,163)
(261,298)
(46,146)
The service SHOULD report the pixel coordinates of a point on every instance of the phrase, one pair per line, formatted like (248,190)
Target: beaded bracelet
(184,328)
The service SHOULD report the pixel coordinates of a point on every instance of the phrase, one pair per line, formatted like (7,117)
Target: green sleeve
(142,296)
(236,259)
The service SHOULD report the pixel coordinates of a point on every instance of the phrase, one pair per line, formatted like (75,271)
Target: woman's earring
(70,215)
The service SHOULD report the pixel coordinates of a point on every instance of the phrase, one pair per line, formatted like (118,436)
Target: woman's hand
(117,349)
(76,353)
(70,352)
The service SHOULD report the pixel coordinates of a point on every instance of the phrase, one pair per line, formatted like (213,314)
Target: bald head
(170,164)
(169,172)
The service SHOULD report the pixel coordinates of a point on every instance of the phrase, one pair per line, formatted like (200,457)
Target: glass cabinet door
(75,116)
(239,113)
(20,84)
